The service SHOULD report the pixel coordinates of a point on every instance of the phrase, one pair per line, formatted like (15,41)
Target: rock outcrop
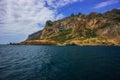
(92,29)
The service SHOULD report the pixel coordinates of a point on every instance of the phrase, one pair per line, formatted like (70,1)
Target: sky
(19,18)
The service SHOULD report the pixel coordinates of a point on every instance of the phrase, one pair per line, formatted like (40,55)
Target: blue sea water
(20,62)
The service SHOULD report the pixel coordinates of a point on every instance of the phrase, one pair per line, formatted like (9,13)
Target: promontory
(83,30)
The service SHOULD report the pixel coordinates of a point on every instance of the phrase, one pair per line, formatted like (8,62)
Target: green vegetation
(65,32)
(63,36)
(72,15)
(93,40)
(80,33)
(100,15)
(90,33)
(100,38)
(49,23)
(79,14)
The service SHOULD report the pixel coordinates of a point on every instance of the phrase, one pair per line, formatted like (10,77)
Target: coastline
(63,44)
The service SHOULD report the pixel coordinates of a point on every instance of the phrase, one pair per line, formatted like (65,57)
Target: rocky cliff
(92,29)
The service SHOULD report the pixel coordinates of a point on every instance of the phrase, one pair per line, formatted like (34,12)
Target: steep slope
(92,29)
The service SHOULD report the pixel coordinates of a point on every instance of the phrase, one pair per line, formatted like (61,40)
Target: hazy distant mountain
(81,29)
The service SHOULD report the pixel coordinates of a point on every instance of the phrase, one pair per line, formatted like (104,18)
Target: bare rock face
(92,29)
(35,36)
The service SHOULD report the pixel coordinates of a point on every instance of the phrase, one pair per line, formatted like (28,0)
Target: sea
(38,62)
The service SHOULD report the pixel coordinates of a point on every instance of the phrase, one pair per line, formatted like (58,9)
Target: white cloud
(22,17)
(60,3)
(106,3)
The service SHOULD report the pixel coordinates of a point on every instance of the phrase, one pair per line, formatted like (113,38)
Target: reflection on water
(59,63)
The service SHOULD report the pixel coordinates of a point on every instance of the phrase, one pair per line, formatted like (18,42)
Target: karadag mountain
(92,29)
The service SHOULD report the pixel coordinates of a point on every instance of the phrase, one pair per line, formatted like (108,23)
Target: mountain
(92,29)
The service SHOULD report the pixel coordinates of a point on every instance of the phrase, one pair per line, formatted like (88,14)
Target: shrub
(80,33)
(90,33)
(63,36)
(72,15)
(49,23)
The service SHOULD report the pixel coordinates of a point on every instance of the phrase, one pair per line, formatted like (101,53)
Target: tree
(72,15)
(49,23)
(79,14)
(100,15)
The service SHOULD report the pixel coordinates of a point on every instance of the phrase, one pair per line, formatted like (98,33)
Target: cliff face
(92,29)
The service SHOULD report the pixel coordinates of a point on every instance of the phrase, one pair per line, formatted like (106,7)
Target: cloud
(106,3)
(60,3)
(18,18)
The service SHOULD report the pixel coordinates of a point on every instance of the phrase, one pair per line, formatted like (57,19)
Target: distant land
(93,29)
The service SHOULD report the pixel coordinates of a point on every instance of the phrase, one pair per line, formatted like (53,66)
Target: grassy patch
(63,36)
(90,33)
